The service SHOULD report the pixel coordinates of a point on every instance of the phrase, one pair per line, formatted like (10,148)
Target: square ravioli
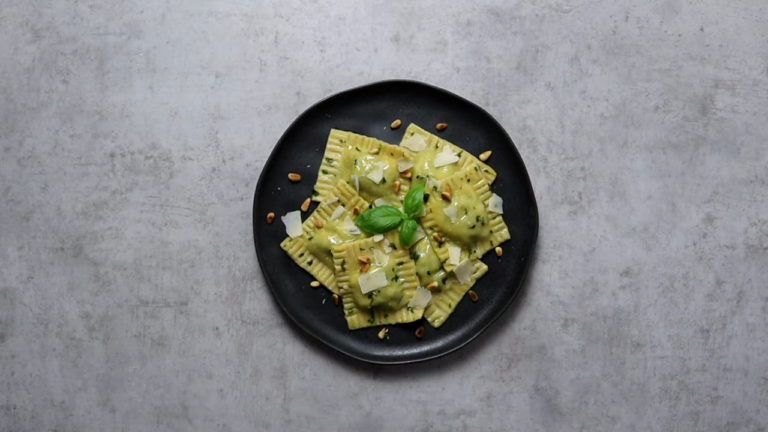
(367,164)
(449,291)
(434,157)
(458,222)
(376,286)
(332,223)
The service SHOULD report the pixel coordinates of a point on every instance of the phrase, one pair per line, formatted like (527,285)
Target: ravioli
(367,164)
(387,304)
(464,221)
(312,251)
(449,291)
(424,160)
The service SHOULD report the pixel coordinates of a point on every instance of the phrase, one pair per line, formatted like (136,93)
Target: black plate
(369,110)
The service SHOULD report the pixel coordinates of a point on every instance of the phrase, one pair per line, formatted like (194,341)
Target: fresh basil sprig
(386,218)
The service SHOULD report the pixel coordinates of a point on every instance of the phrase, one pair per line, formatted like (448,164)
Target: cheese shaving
(356,182)
(463,272)
(292,221)
(331,200)
(376,175)
(445,157)
(372,281)
(454,254)
(495,204)
(420,234)
(420,299)
(337,213)
(350,226)
(404,164)
(414,142)
(378,237)
(387,246)
(380,257)
(452,213)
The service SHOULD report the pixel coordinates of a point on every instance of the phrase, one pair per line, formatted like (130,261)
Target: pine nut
(420,332)
(406,174)
(396,124)
(374,151)
(319,223)
(485,155)
(432,286)
(356,210)
(397,186)
(441,126)
(314,284)
(383,333)
(364,268)
(446,196)
(364,259)
(473,295)
(294,177)
(336,299)
(499,251)
(305,204)
(270,217)
(438,238)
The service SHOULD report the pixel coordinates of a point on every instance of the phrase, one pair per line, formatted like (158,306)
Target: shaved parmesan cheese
(378,237)
(420,298)
(356,182)
(463,272)
(376,175)
(380,257)
(350,226)
(414,142)
(445,157)
(495,204)
(331,200)
(378,202)
(452,213)
(292,222)
(372,281)
(387,246)
(420,234)
(337,213)
(432,182)
(454,254)
(404,164)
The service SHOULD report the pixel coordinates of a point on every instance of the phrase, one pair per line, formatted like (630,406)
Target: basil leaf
(414,201)
(408,232)
(380,219)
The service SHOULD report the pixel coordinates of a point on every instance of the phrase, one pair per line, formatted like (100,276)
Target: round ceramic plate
(369,110)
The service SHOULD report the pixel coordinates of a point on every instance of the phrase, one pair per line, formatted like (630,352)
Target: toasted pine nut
(406,174)
(305,204)
(364,259)
(446,196)
(364,268)
(383,333)
(374,151)
(336,299)
(294,177)
(397,186)
(473,295)
(449,188)
(319,223)
(441,126)
(432,286)
(396,124)
(270,217)
(438,238)
(485,155)
(420,332)
(314,284)
(499,251)
(356,210)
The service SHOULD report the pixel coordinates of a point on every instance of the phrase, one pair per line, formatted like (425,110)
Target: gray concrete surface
(132,134)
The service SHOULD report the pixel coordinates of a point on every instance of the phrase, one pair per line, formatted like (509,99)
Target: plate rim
(494,317)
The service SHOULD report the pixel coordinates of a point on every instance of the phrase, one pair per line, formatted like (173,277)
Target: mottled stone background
(132,134)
